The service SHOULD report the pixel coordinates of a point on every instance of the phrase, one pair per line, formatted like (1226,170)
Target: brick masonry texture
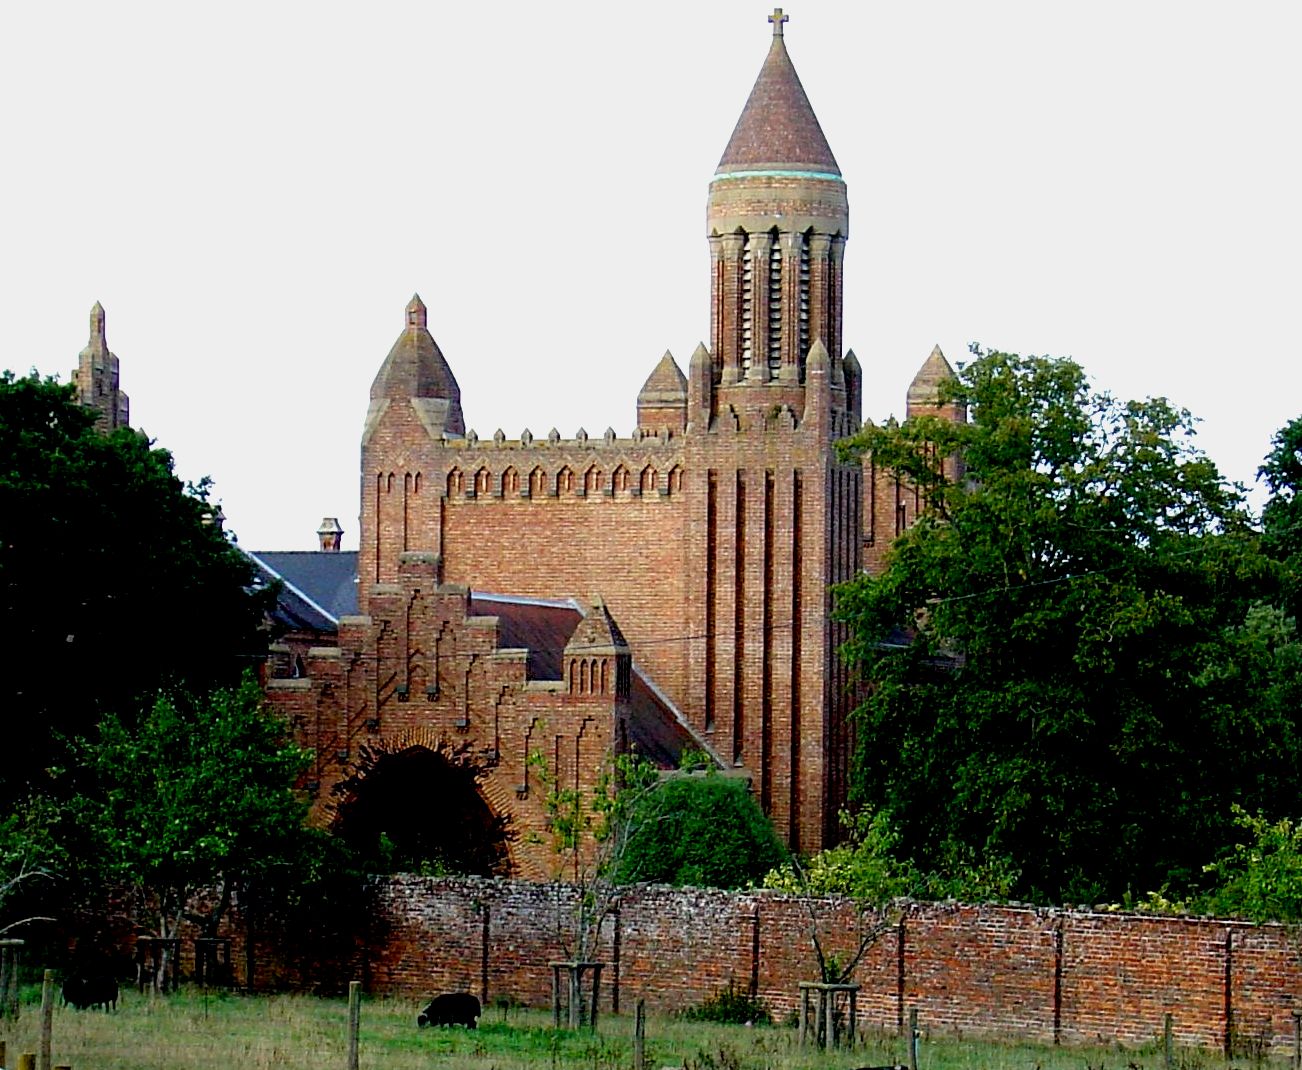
(714,534)
(976,970)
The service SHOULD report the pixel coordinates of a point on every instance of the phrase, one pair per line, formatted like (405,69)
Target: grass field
(190,1031)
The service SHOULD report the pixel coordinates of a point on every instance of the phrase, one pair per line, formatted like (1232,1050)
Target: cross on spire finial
(777,18)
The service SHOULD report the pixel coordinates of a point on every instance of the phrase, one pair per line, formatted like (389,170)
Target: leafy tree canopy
(704,830)
(1282,471)
(1260,879)
(1073,677)
(198,795)
(114,579)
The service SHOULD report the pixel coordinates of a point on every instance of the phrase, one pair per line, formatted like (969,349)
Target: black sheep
(451,1008)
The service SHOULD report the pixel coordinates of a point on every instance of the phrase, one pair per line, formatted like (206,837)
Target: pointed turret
(662,401)
(700,388)
(416,371)
(853,386)
(96,377)
(598,658)
(777,220)
(925,388)
(818,391)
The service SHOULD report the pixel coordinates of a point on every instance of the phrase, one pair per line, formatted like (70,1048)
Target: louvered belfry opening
(803,327)
(774,340)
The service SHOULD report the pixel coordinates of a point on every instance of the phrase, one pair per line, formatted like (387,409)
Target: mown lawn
(190,1031)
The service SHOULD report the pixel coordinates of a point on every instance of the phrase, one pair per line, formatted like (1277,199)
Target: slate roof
(778,127)
(319,588)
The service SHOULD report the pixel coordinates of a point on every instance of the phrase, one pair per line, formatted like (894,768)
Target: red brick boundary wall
(1043,974)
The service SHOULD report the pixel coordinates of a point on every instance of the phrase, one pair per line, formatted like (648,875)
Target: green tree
(864,869)
(705,830)
(198,796)
(1048,647)
(590,831)
(1282,470)
(31,861)
(1281,518)
(115,579)
(1260,879)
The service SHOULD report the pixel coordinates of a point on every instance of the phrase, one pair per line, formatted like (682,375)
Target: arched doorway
(419,810)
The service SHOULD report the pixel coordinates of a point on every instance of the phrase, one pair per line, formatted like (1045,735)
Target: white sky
(254,191)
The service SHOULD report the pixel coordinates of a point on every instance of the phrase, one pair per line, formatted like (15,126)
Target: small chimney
(330,534)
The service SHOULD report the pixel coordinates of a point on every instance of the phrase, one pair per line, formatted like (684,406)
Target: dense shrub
(700,830)
(729,1006)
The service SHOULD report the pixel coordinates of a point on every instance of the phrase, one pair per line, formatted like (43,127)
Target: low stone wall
(994,970)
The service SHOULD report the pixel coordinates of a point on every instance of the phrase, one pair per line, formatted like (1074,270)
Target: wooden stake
(354,1020)
(639,1035)
(913,1038)
(1166,1039)
(47,1019)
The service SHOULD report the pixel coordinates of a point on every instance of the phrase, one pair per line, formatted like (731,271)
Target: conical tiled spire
(778,128)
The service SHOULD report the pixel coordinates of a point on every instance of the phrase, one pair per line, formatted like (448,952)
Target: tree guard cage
(572,985)
(156,961)
(828,1017)
(212,961)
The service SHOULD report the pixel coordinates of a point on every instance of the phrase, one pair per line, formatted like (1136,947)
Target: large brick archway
(415,802)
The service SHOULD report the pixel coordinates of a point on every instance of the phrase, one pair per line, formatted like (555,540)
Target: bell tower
(777,222)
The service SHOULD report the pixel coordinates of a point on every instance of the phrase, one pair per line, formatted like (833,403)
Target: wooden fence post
(1167,1045)
(10,952)
(354,1020)
(1297,1040)
(913,1038)
(639,1035)
(47,1019)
